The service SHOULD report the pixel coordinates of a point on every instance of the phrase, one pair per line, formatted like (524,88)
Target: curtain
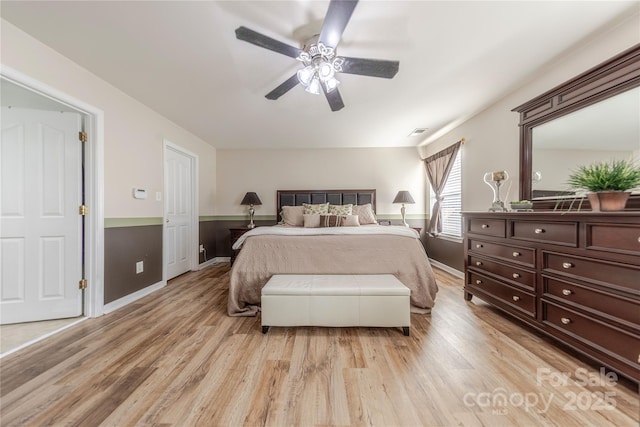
(438,167)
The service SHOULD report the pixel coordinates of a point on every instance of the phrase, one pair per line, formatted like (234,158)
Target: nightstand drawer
(520,255)
(487,226)
(508,272)
(565,233)
(593,300)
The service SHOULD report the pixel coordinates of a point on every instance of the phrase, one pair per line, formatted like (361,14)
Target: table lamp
(403,197)
(251,199)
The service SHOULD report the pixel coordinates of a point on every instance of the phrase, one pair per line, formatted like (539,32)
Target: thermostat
(139,193)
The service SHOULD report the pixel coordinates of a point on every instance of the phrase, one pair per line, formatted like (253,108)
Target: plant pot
(608,201)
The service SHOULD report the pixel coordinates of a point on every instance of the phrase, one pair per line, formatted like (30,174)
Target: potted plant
(607,183)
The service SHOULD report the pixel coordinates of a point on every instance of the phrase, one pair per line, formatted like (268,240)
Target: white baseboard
(208,263)
(221,259)
(119,303)
(457,273)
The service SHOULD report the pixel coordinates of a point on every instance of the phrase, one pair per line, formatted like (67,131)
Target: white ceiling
(182,60)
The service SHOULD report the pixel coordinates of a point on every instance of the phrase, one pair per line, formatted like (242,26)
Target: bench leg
(265,329)
(405,331)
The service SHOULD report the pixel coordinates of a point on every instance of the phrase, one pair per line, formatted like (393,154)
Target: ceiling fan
(320,63)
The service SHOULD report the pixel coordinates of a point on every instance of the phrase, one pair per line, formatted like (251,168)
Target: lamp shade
(251,198)
(403,197)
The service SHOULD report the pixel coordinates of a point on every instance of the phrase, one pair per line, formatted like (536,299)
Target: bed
(290,248)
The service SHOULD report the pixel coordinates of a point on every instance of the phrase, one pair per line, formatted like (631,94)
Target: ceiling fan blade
(336,21)
(334,99)
(370,67)
(243,33)
(285,87)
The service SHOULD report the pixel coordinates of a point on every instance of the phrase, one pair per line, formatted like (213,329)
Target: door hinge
(82,284)
(82,136)
(83,210)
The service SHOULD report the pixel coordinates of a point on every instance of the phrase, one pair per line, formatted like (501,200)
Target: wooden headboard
(335,197)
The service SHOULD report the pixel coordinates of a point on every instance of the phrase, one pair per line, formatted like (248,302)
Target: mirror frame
(614,76)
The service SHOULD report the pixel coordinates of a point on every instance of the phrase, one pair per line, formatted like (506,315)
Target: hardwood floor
(176,358)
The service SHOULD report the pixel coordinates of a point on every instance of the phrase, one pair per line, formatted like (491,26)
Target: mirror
(607,130)
(594,116)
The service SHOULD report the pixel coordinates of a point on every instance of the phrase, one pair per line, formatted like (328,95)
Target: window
(452,203)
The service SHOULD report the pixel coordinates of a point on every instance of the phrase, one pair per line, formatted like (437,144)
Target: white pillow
(293,215)
(365,214)
(311,220)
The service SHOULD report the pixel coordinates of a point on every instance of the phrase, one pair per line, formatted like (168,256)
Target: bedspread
(264,255)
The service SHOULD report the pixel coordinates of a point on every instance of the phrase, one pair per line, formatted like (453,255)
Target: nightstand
(234,234)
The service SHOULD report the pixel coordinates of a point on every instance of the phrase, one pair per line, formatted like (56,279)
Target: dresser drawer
(593,300)
(514,298)
(623,238)
(608,339)
(559,233)
(621,276)
(523,256)
(510,273)
(487,226)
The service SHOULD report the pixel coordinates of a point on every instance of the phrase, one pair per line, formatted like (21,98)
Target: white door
(40,229)
(178,211)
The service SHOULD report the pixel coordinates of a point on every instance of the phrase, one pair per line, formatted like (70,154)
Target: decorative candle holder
(495,180)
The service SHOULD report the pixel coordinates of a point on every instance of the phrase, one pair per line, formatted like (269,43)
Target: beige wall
(493,135)
(265,171)
(134,134)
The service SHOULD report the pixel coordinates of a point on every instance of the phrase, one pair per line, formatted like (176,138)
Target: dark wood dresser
(574,276)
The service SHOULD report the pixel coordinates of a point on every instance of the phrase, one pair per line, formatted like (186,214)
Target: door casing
(94,184)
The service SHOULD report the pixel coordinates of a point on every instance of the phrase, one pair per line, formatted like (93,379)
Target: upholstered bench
(335,300)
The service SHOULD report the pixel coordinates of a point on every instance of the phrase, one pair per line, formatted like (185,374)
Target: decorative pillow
(293,215)
(339,221)
(365,214)
(340,209)
(312,220)
(322,208)
(351,221)
(331,220)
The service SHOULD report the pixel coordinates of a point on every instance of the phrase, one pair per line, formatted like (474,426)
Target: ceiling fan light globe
(314,86)
(305,75)
(325,71)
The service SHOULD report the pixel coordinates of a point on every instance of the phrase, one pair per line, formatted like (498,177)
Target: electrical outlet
(201,248)
(139,267)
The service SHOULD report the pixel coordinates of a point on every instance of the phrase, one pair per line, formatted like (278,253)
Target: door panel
(40,230)
(178,212)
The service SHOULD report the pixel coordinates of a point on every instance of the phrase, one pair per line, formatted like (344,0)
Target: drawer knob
(567,292)
(516,254)
(516,298)
(539,230)
(567,265)
(485,225)
(516,275)
(478,246)
(478,282)
(565,320)
(478,263)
